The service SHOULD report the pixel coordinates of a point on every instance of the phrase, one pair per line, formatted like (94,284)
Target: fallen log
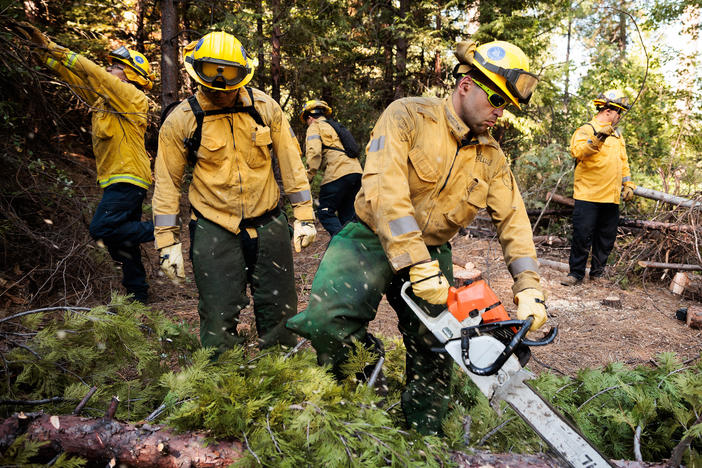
(666,197)
(107,439)
(684,284)
(670,266)
(638,223)
(560,266)
(103,440)
(560,199)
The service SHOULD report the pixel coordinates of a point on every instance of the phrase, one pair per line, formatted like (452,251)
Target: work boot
(571,280)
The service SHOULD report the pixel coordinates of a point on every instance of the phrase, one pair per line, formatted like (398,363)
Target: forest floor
(590,334)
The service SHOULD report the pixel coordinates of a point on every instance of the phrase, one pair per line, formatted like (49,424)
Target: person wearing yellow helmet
(119,109)
(239,235)
(602,176)
(431,165)
(324,148)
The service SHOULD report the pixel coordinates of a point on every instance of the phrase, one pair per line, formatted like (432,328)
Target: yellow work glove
(429,283)
(171,260)
(604,132)
(530,302)
(304,234)
(31,33)
(628,191)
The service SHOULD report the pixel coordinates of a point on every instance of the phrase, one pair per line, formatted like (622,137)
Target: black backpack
(192,144)
(351,147)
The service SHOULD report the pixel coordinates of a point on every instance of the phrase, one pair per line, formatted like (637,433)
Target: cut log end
(612,301)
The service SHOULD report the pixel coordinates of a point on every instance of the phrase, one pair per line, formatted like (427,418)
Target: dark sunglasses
(493,97)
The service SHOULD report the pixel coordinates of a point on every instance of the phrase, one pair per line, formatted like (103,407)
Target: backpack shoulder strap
(332,123)
(192,144)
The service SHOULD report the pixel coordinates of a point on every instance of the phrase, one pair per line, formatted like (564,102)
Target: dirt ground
(590,334)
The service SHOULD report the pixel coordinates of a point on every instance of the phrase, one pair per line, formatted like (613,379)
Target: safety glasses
(493,97)
(122,53)
(219,73)
(520,82)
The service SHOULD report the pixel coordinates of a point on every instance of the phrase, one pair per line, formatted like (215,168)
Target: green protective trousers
(346,291)
(224,263)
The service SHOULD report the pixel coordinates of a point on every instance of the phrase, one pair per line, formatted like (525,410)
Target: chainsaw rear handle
(518,338)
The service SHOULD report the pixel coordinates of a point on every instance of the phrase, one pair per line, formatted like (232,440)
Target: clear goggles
(219,73)
(122,53)
(520,82)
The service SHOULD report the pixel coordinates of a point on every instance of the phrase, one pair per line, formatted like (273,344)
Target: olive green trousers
(346,291)
(224,263)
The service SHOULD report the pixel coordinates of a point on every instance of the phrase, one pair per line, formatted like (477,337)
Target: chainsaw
(476,331)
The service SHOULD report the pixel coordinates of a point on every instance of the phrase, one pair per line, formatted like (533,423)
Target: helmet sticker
(138,59)
(496,53)
(199,44)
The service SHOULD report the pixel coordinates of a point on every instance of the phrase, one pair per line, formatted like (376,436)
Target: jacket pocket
(423,167)
(474,199)
(103,128)
(259,153)
(212,147)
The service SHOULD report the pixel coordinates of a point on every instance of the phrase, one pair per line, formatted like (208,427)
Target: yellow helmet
(218,61)
(138,68)
(507,66)
(312,105)
(612,98)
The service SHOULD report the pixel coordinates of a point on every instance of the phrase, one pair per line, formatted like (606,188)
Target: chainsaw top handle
(519,338)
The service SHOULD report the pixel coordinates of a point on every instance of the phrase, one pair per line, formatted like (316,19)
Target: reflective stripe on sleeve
(70,59)
(292,133)
(523,264)
(626,179)
(403,225)
(300,197)
(51,62)
(314,137)
(377,144)
(165,220)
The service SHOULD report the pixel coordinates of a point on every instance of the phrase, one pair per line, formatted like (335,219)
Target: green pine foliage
(22,451)
(289,411)
(122,349)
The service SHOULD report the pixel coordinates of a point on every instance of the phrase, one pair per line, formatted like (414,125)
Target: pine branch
(45,309)
(679,450)
(598,394)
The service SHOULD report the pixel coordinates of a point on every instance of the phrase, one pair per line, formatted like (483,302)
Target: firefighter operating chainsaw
(476,331)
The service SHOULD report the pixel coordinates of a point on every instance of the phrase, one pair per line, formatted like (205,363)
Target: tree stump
(694,317)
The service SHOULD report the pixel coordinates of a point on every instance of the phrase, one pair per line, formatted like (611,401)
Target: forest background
(358,56)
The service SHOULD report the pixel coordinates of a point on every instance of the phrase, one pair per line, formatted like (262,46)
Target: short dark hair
(476,75)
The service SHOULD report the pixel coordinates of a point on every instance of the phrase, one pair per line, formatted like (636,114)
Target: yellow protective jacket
(425,177)
(119,117)
(335,164)
(602,167)
(233,178)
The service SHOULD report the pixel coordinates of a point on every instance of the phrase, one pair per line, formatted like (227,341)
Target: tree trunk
(169,53)
(275,52)
(260,72)
(401,56)
(437,54)
(566,96)
(102,440)
(140,34)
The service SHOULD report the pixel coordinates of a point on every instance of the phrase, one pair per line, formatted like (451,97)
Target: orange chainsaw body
(476,298)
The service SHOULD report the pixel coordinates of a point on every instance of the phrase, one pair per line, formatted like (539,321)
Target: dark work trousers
(336,202)
(117,221)
(594,226)
(224,263)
